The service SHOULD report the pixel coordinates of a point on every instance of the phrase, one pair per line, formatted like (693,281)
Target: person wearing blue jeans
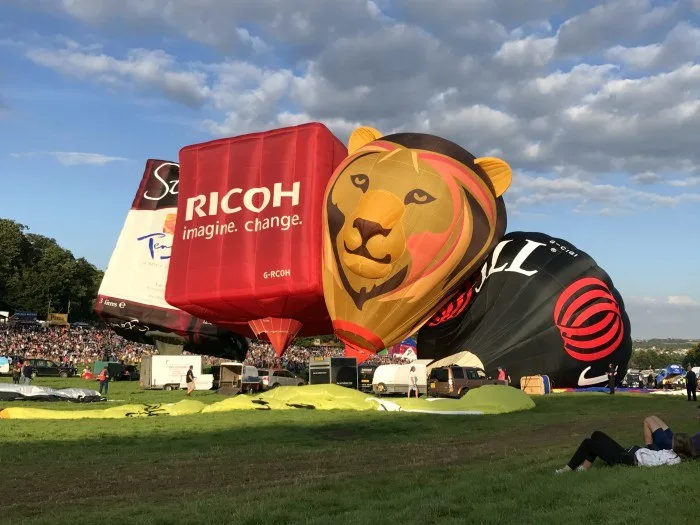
(104,381)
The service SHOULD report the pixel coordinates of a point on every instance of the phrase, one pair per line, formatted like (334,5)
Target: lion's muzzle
(373,237)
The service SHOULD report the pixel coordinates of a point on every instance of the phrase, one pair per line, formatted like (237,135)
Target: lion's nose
(369,229)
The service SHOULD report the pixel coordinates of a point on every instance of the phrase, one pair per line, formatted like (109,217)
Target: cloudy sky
(596,105)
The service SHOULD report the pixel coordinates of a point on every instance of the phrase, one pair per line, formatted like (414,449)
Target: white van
(393,379)
(168,372)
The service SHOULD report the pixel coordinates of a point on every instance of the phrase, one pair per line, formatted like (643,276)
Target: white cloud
(610,22)
(681,45)
(670,316)
(684,183)
(682,300)
(588,196)
(73,158)
(488,75)
(527,52)
(142,68)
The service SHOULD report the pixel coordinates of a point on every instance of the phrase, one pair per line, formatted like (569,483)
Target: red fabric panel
(263,257)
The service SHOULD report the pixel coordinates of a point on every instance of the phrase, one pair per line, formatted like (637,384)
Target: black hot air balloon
(539,305)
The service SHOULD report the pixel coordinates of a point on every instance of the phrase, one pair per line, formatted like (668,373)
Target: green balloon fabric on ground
(490,399)
(316,397)
(181,408)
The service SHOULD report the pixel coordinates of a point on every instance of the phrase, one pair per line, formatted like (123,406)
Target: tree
(644,359)
(36,271)
(692,357)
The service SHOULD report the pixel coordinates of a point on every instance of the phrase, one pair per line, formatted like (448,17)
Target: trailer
(333,370)
(168,372)
(393,379)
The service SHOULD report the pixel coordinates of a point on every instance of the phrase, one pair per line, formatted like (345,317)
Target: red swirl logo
(589,320)
(453,308)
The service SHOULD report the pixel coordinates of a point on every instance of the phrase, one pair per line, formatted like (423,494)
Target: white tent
(464,358)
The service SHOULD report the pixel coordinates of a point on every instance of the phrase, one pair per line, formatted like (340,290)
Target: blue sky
(598,118)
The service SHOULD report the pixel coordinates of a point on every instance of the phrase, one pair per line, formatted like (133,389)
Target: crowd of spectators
(297,358)
(80,347)
(75,346)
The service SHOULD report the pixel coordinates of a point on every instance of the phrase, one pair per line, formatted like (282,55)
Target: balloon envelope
(248,242)
(131,296)
(407,218)
(539,305)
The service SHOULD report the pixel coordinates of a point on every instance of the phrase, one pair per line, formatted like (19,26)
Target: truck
(168,372)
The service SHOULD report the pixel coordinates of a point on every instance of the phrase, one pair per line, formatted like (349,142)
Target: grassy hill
(338,467)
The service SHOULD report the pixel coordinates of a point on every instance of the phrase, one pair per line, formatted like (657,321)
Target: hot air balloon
(407,219)
(131,298)
(247,246)
(539,305)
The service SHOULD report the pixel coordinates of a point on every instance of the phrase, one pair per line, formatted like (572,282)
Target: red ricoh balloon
(247,244)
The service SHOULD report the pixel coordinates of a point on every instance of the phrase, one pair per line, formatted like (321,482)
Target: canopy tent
(464,358)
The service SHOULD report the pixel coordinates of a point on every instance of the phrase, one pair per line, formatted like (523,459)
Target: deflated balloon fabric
(490,399)
(181,408)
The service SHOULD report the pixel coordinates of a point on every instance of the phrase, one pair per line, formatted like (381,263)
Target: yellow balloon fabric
(408,218)
(181,408)
(490,399)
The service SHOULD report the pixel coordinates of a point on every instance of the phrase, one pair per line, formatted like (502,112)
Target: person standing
(503,375)
(691,384)
(26,372)
(412,382)
(103,378)
(611,378)
(16,372)
(189,379)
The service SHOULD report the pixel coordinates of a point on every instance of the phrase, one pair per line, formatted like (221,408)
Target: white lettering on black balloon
(515,266)
(168,188)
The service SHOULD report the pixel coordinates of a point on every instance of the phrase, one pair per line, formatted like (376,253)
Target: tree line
(644,359)
(36,271)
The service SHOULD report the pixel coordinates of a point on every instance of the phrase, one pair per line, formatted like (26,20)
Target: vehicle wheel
(33,375)
(63,375)
(168,387)
(274,385)
(381,389)
(300,384)
(463,392)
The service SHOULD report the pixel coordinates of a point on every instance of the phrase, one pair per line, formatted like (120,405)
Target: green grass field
(338,467)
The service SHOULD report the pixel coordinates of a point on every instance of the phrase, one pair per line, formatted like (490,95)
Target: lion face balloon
(408,218)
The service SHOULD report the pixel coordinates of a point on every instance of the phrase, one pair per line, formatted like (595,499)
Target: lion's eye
(418,196)
(361,181)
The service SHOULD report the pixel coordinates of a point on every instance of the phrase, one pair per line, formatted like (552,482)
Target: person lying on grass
(658,436)
(602,446)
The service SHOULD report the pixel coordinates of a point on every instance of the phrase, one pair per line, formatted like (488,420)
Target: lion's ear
(361,137)
(498,171)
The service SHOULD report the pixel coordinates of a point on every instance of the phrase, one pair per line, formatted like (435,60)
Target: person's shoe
(581,468)
(565,468)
